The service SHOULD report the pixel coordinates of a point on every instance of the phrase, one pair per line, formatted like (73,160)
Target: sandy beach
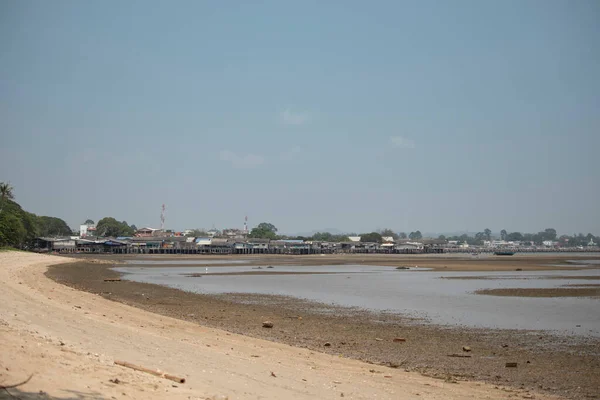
(68,340)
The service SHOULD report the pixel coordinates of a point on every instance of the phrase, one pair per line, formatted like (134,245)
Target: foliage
(197,233)
(389,232)
(6,193)
(133,227)
(12,231)
(487,233)
(442,237)
(373,237)
(415,235)
(108,226)
(18,228)
(52,226)
(528,239)
(402,235)
(89,222)
(264,230)
(329,237)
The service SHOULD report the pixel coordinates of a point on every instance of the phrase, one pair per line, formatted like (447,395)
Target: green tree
(6,193)
(264,230)
(503,234)
(18,228)
(389,232)
(89,222)
(133,228)
(415,235)
(328,237)
(442,237)
(109,226)
(487,233)
(52,226)
(402,235)
(549,234)
(479,238)
(515,237)
(373,237)
(12,231)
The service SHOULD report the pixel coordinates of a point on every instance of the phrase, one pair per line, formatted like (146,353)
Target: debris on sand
(267,324)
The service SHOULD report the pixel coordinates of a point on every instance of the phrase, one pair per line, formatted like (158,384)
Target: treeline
(110,227)
(18,228)
(267,230)
(549,234)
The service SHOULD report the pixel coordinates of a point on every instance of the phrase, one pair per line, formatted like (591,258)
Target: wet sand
(584,277)
(568,366)
(542,292)
(441,262)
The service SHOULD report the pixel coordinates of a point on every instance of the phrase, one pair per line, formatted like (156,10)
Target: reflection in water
(185,262)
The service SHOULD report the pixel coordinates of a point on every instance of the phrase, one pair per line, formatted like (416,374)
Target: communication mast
(246,224)
(162,217)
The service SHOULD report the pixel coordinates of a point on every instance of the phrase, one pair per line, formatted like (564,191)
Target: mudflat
(554,365)
(441,262)
(544,292)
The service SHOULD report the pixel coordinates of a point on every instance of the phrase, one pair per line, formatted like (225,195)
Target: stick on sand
(150,371)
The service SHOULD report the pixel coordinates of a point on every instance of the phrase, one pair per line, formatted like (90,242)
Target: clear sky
(356,115)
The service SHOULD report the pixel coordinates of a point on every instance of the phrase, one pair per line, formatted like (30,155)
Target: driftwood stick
(150,371)
(459,355)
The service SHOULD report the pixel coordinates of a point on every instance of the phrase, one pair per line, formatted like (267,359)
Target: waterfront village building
(147,232)
(235,233)
(494,243)
(87,230)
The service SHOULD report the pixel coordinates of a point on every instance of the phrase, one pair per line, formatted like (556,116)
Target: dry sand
(69,340)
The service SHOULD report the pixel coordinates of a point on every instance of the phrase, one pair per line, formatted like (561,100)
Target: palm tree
(6,193)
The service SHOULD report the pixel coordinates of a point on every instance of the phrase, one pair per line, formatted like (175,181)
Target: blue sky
(431,115)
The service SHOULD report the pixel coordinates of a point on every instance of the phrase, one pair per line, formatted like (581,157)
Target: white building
(354,238)
(495,243)
(87,230)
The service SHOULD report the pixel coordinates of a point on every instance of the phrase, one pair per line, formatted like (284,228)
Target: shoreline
(428,349)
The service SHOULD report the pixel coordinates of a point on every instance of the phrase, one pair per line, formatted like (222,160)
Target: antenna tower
(162,217)
(246,224)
